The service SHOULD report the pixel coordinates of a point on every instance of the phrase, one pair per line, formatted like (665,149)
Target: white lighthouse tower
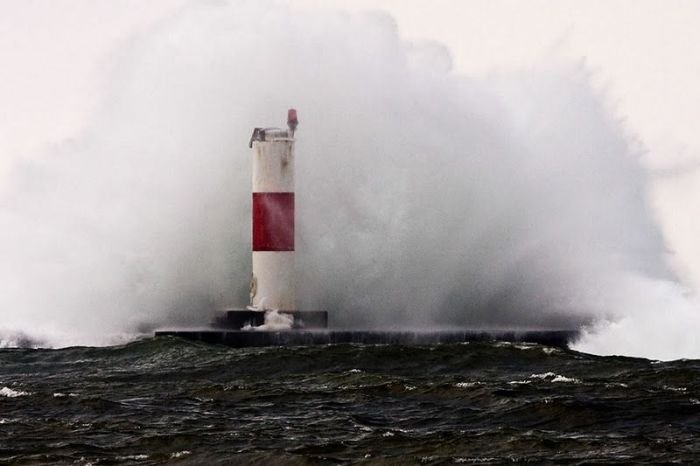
(272,284)
(272,303)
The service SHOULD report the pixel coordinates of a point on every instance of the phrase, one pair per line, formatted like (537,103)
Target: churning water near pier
(165,400)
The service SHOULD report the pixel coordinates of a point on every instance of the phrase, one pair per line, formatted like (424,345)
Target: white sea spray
(425,197)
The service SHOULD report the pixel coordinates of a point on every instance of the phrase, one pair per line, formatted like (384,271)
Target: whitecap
(554,378)
(475,460)
(562,379)
(616,384)
(10,393)
(675,389)
(467,384)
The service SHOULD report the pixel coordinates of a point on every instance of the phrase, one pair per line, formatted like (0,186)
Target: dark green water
(169,401)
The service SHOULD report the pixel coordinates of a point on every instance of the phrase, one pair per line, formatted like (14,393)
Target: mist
(425,198)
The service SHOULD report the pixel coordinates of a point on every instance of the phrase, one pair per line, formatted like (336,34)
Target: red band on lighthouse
(273,221)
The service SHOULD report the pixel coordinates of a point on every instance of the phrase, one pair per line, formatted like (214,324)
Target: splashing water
(274,320)
(425,198)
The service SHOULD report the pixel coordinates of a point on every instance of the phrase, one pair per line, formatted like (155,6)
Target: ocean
(169,401)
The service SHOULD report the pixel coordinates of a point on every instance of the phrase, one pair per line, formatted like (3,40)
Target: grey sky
(643,54)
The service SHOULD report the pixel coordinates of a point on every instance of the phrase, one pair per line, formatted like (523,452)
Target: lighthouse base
(252,338)
(237,319)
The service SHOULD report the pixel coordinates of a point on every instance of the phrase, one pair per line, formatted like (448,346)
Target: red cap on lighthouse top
(292,120)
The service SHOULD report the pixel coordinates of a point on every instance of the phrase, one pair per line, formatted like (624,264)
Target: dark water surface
(170,401)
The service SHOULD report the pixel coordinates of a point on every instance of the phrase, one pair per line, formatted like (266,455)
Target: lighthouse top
(276,134)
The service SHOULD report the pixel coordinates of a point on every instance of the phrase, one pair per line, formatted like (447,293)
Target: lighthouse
(272,304)
(272,285)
